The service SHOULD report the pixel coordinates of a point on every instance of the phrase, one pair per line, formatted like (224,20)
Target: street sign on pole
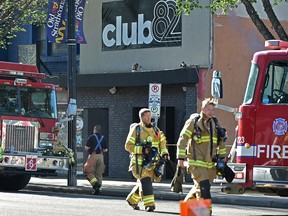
(155,100)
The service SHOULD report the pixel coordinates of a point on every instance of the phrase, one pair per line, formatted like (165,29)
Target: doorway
(99,116)
(166,123)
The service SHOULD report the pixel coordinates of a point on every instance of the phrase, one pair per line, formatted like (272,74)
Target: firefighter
(94,167)
(201,141)
(147,144)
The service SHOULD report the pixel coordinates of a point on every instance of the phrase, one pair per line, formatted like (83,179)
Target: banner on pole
(57,21)
(79,15)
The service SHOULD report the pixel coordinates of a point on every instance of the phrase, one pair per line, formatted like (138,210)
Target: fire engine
(259,155)
(28,127)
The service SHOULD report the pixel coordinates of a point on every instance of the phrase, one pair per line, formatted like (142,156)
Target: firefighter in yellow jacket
(147,145)
(201,141)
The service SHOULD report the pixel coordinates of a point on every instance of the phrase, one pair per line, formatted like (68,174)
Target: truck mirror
(216,85)
(72,107)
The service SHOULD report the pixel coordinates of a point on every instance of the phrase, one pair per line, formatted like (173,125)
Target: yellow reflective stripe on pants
(93,181)
(201,163)
(149,200)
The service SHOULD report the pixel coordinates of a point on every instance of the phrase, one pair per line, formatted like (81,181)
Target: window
(252,80)
(29,102)
(275,89)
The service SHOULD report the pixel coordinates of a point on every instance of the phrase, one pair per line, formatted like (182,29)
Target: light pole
(71,78)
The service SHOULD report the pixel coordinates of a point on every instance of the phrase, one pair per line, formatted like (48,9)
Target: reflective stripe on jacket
(197,150)
(157,140)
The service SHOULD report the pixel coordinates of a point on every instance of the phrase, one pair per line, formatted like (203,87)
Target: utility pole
(71,78)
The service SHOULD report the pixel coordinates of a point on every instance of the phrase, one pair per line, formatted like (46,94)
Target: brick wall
(120,107)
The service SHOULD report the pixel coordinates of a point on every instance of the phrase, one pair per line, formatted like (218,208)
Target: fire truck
(259,155)
(28,127)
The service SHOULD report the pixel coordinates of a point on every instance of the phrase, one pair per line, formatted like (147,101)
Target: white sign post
(155,100)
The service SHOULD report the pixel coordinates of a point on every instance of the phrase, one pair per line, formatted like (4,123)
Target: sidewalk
(121,188)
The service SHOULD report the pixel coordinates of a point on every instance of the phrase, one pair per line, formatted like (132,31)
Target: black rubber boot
(96,188)
(149,208)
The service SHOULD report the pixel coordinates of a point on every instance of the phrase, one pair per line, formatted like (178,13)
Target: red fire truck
(28,127)
(259,155)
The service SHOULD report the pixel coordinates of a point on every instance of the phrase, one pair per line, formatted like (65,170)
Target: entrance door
(99,116)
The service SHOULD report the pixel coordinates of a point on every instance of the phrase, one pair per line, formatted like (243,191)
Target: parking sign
(155,99)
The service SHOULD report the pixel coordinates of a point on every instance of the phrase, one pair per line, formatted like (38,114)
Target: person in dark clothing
(94,167)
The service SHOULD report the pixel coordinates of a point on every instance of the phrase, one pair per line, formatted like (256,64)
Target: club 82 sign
(155,99)
(140,24)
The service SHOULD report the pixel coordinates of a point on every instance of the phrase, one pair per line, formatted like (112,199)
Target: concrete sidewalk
(121,188)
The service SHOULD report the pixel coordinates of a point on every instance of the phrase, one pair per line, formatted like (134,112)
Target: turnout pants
(202,178)
(143,190)
(94,168)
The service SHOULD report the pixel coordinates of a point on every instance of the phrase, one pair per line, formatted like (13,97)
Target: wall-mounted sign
(134,24)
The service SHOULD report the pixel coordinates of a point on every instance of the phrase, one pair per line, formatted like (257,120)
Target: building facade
(130,44)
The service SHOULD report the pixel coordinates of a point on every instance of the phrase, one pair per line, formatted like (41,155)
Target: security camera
(135,67)
(183,65)
(112,90)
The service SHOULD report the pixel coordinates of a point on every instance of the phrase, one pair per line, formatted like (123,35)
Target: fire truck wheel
(241,190)
(14,183)
(282,192)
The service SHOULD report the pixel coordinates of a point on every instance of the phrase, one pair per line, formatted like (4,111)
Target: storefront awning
(174,76)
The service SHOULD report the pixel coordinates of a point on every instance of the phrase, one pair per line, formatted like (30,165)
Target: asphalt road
(120,188)
(30,203)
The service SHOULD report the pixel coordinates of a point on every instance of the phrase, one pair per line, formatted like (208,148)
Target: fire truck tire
(282,192)
(241,190)
(14,183)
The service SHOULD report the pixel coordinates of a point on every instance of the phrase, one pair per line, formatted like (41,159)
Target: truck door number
(240,139)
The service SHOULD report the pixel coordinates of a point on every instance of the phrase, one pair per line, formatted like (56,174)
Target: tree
(187,5)
(14,14)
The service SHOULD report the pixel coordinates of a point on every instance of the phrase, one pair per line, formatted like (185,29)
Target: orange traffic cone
(195,207)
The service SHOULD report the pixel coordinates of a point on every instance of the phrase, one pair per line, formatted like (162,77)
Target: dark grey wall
(120,106)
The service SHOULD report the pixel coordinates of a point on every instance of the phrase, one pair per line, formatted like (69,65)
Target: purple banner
(56,21)
(79,14)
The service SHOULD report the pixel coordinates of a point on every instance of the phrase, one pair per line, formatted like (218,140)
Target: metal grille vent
(21,137)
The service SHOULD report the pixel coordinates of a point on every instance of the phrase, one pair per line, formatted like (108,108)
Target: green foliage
(14,14)
(186,6)
(276,2)
(222,6)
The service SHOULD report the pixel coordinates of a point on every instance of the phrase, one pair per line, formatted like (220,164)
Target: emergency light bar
(22,73)
(276,44)
(20,81)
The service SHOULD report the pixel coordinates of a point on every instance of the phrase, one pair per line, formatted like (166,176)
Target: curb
(217,198)
(105,192)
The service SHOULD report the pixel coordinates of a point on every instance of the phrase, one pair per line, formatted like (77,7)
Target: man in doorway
(94,167)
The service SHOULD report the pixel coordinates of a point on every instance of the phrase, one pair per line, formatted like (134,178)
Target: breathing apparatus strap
(196,128)
(137,142)
(211,139)
(217,125)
